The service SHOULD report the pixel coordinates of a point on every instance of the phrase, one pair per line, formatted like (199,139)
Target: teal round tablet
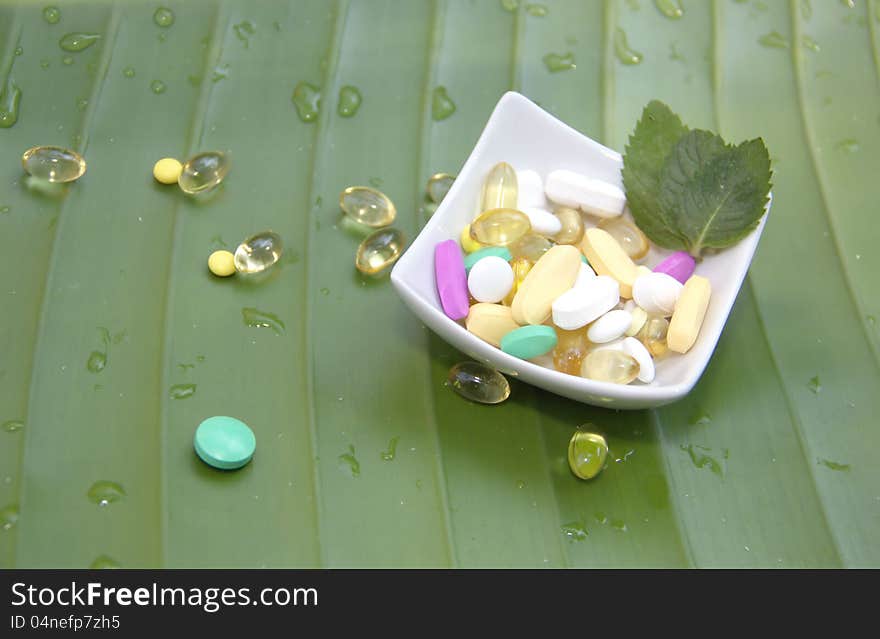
(527,342)
(498,251)
(224,442)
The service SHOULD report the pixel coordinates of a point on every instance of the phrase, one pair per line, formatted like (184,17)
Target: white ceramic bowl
(524,135)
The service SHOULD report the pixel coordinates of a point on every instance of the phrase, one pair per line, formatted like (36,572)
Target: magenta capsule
(451,279)
(679,265)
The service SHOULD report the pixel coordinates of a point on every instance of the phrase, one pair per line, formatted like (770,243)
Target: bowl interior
(524,135)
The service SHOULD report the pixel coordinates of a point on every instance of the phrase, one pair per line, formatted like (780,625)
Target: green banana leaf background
(116,341)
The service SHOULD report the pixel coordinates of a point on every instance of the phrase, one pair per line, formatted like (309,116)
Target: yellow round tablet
(221,263)
(167,170)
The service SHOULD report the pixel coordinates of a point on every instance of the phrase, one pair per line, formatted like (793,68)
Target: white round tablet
(490,279)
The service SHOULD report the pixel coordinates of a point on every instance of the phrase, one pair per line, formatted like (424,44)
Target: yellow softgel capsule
(469,244)
(629,236)
(221,263)
(53,164)
(521,267)
(690,310)
(500,227)
(499,188)
(531,247)
(572,226)
(610,365)
(607,257)
(571,348)
(167,170)
(653,335)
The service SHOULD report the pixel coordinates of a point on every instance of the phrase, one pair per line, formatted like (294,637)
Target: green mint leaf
(713,193)
(655,135)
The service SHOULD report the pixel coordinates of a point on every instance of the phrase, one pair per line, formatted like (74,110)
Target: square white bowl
(527,137)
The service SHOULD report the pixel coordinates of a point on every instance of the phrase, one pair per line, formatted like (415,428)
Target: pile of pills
(550,268)
(200,174)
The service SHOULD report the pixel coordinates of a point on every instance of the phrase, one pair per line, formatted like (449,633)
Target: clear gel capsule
(500,227)
(258,252)
(438,186)
(572,226)
(499,188)
(653,335)
(367,206)
(610,365)
(478,383)
(203,172)
(587,453)
(571,348)
(629,236)
(379,250)
(530,246)
(53,164)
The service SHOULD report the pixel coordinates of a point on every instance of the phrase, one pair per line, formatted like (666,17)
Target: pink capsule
(451,279)
(679,265)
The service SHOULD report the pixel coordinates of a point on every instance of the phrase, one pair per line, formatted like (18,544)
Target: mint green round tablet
(498,251)
(224,442)
(527,342)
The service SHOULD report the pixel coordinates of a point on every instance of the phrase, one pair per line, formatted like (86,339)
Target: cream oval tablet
(684,327)
(490,322)
(490,279)
(596,197)
(607,257)
(549,278)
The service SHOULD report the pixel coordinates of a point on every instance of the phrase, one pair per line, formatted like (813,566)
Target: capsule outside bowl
(526,136)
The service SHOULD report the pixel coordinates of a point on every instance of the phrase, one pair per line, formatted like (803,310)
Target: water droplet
(587,453)
(349,463)
(814,385)
(537,10)
(81,104)
(442,105)
(163,17)
(157,87)
(773,40)
(367,206)
(10,99)
(8,516)
(618,525)
(243,31)
(700,459)
(13,425)
(258,252)
(848,145)
(128,72)
(104,492)
(96,362)
(307,99)
(74,42)
(478,383)
(44,63)
(439,185)
(67,60)
(349,101)
(701,418)
(806,9)
(622,50)
(810,44)
(52,15)
(575,530)
(221,72)
(556,62)
(182,391)
(256,318)
(103,562)
(833,465)
(520,484)
(18,51)
(670,8)
(379,250)
(53,164)
(203,172)
(388,455)
(510,5)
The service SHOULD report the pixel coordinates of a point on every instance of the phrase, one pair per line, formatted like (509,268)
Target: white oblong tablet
(530,190)
(585,275)
(543,221)
(490,279)
(637,350)
(579,306)
(609,327)
(657,293)
(592,196)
